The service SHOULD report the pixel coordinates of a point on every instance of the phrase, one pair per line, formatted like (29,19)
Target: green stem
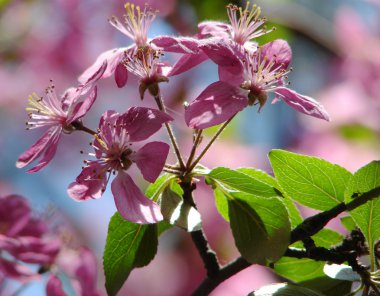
(219,131)
(169,129)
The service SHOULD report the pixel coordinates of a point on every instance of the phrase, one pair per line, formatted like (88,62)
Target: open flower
(248,82)
(58,114)
(136,24)
(115,154)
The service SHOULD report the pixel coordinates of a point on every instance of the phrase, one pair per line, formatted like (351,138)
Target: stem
(80,127)
(194,148)
(219,131)
(161,107)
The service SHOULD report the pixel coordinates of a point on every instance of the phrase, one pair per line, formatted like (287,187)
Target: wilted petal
(14,214)
(121,75)
(82,108)
(279,51)
(111,57)
(187,62)
(151,158)
(54,287)
(302,103)
(131,202)
(177,44)
(142,122)
(90,184)
(49,153)
(214,29)
(216,104)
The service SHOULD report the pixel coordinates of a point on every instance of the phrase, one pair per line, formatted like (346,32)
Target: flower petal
(14,214)
(142,122)
(121,75)
(151,158)
(131,202)
(302,103)
(187,62)
(278,50)
(16,271)
(49,153)
(177,44)
(214,29)
(54,287)
(111,57)
(82,108)
(90,184)
(216,104)
(85,272)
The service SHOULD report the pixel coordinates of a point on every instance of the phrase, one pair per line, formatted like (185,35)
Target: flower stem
(80,127)
(194,148)
(219,131)
(169,129)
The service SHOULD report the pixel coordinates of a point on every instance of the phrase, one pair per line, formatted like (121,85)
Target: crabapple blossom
(115,154)
(60,115)
(245,82)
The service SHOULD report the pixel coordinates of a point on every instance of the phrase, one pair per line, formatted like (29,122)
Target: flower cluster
(248,73)
(26,241)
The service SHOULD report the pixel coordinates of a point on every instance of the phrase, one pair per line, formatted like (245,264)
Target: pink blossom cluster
(248,72)
(28,248)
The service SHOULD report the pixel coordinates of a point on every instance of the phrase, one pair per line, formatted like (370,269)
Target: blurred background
(336,59)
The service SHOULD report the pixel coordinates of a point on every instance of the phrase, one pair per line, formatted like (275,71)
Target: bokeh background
(336,59)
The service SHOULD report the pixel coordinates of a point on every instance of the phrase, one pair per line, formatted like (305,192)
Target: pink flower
(145,65)
(22,237)
(137,22)
(246,82)
(59,115)
(115,154)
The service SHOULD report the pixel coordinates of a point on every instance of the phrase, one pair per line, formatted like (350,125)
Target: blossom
(22,237)
(59,114)
(136,24)
(145,65)
(248,82)
(115,154)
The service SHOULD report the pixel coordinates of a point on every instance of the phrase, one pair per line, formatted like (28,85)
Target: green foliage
(348,223)
(365,216)
(284,289)
(128,246)
(155,189)
(310,181)
(328,286)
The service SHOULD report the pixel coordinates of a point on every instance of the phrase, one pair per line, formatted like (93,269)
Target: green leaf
(242,182)
(341,272)
(284,289)
(348,223)
(365,216)
(260,176)
(260,226)
(156,188)
(310,181)
(299,270)
(128,246)
(178,213)
(328,286)
(221,203)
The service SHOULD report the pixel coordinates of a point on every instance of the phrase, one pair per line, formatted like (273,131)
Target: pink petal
(177,44)
(82,108)
(121,75)
(151,158)
(14,214)
(142,122)
(278,50)
(35,228)
(187,62)
(214,29)
(216,104)
(90,184)
(106,123)
(85,272)
(36,149)
(229,77)
(99,73)
(302,103)
(225,54)
(17,271)
(49,153)
(54,287)
(131,202)
(111,57)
